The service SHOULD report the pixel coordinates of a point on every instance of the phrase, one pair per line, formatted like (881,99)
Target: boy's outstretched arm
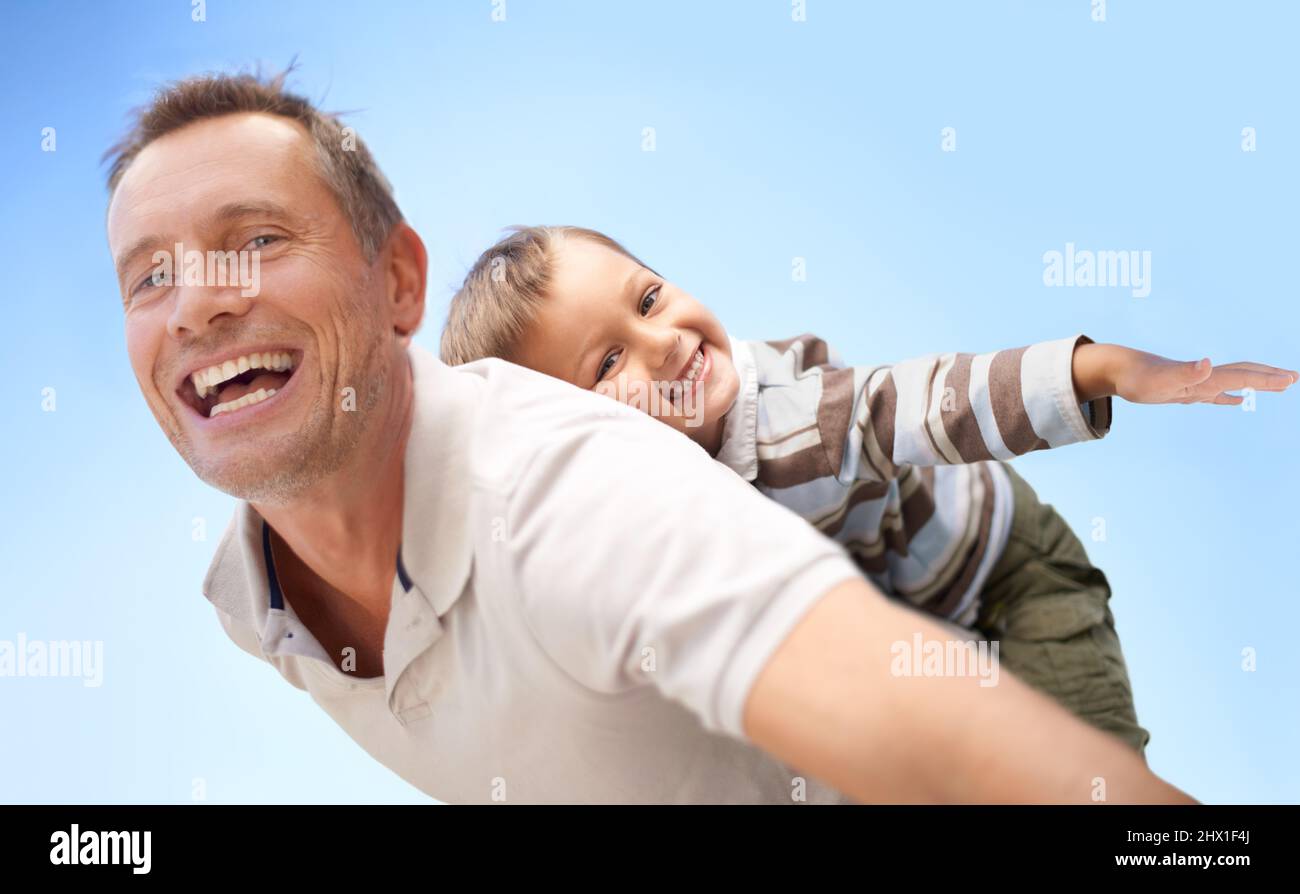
(940,409)
(1142,378)
(959,408)
(828,702)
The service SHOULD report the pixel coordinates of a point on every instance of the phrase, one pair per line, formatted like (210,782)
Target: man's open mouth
(238,382)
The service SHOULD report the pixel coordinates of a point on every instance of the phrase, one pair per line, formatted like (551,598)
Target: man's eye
(155,278)
(254,242)
(649,300)
(606,365)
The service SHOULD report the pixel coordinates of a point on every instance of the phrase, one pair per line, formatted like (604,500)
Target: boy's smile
(610,325)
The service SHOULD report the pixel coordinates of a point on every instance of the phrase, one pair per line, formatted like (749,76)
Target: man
(502,587)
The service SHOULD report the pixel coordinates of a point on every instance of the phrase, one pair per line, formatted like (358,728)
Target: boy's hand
(1142,378)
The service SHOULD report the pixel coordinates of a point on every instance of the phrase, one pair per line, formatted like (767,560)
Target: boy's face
(610,325)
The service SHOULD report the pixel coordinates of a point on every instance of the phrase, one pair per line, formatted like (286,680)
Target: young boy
(904,464)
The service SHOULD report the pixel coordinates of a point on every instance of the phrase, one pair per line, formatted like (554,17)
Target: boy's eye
(606,365)
(649,300)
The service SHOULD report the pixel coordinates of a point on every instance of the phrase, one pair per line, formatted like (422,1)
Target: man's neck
(347,529)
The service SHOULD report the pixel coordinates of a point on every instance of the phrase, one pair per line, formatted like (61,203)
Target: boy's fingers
(1231,379)
(1262,367)
(1197,371)
(1226,399)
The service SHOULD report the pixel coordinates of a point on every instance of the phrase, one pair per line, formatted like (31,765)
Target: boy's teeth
(255,397)
(667,389)
(696,365)
(206,380)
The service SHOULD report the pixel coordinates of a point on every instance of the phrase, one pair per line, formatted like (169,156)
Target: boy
(904,464)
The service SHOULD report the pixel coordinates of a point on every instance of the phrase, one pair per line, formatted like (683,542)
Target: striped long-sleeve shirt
(896,461)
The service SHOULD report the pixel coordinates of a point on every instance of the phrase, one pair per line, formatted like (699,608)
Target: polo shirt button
(417,711)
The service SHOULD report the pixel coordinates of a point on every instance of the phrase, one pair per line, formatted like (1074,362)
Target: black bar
(438,844)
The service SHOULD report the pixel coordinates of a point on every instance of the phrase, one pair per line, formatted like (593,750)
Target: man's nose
(197,307)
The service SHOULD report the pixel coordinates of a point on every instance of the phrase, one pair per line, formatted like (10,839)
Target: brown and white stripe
(898,462)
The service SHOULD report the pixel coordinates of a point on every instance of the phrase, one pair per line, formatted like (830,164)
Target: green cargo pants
(1049,608)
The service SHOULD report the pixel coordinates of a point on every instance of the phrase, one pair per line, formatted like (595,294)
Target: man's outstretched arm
(625,537)
(828,704)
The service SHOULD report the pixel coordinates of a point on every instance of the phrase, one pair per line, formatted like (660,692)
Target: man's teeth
(206,380)
(255,397)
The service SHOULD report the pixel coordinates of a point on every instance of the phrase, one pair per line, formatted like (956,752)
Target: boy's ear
(407,270)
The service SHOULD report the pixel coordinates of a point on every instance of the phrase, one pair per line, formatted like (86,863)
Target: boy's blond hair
(502,290)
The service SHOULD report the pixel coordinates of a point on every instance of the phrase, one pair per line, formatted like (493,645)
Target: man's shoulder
(521,413)
(517,389)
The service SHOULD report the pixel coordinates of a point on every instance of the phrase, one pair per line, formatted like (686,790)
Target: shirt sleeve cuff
(1095,413)
(1047,386)
(772,628)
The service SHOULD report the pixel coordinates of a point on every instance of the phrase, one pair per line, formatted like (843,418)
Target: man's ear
(407,270)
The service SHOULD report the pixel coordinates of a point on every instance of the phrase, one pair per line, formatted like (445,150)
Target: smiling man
(503,587)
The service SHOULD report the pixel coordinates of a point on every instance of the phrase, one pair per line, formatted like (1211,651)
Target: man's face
(236,183)
(611,325)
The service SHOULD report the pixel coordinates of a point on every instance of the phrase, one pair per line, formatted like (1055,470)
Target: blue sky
(773,140)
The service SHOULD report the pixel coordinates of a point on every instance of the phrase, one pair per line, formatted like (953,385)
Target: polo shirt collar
(436,551)
(276,595)
(739,448)
(437,547)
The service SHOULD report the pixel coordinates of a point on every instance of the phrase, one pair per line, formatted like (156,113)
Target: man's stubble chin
(277,470)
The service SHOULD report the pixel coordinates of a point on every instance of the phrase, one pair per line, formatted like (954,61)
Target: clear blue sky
(774,140)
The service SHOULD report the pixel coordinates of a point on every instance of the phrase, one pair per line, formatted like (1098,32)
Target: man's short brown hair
(490,312)
(344,162)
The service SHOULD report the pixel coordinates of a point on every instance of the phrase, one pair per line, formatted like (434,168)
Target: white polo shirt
(582,602)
